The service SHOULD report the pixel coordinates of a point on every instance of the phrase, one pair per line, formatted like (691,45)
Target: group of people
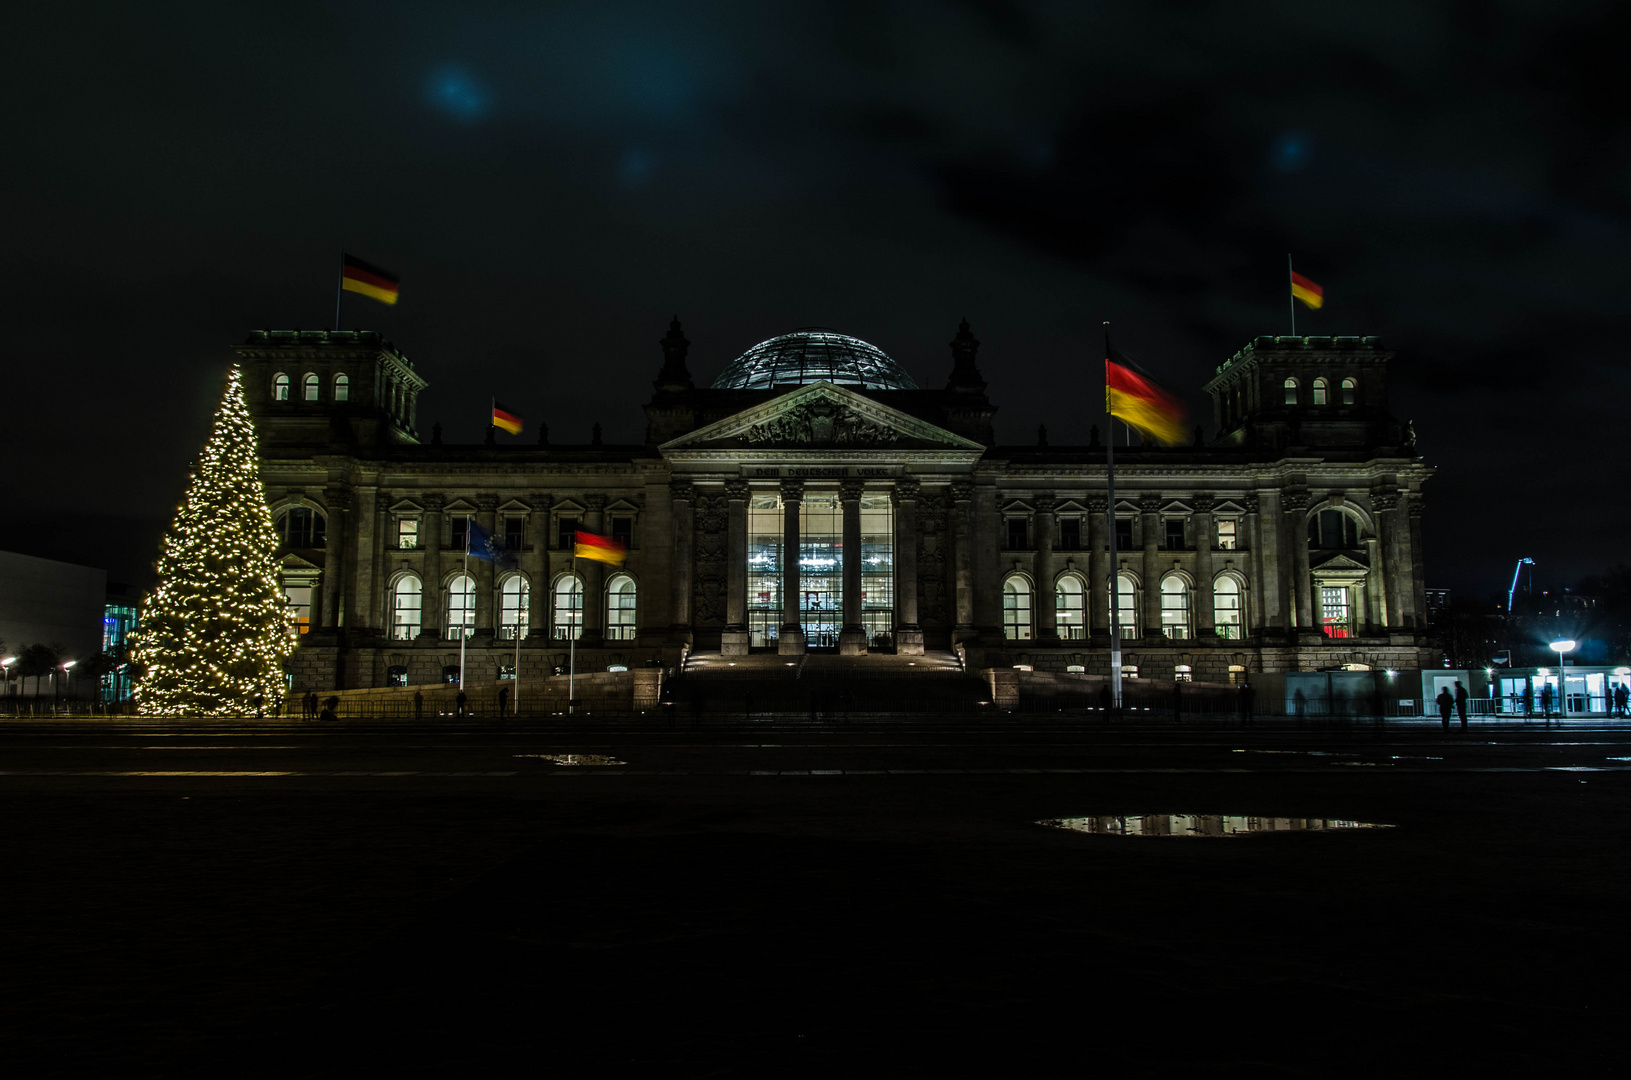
(312,709)
(1449,702)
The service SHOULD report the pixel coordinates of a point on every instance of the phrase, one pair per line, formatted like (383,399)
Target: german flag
(588,545)
(1306,291)
(360,277)
(506,420)
(1136,401)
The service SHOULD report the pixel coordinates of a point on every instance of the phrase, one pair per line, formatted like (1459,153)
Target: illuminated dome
(814,355)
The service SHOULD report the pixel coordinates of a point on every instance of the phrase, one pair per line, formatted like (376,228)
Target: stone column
(1202,614)
(908,634)
(1295,503)
(1268,575)
(1097,600)
(791,635)
(1386,505)
(536,564)
(335,555)
(962,511)
(485,572)
(852,633)
(364,616)
(1375,588)
(1149,515)
(1047,614)
(430,535)
(734,639)
(681,497)
(594,574)
(1416,610)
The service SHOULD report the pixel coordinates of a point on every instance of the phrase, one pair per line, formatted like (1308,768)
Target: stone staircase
(818,682)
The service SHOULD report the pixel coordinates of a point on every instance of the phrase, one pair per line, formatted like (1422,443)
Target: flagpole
(464,625)
(519,615)
(339,291)
(572,647)
(1115,570)
(1291,297)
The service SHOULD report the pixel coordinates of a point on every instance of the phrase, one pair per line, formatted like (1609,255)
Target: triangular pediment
(821,415)
(1338,562)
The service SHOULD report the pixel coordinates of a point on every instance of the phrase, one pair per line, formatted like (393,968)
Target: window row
(1070,614)
(1321,387)
(512,530)
(565,612)
(1173,535)
(311,387)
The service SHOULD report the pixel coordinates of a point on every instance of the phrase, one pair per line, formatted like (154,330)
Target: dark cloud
(553,181)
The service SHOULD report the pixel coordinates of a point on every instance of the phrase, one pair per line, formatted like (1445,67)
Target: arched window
(461,607)
(1291,391)
(1226,612)
(313,386)
(568,607)
(342,388)
(1333,529)
(407,602)
(620,598)
(1016,609)
(1067,602)
(1126,604)
(280,387)
(396,675)
(1320,387)
(1174,606)
(301,527)
(1349,385)
(514,597)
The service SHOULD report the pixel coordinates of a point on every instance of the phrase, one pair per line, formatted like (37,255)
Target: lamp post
(67,669)
(1561,646)
(5,676)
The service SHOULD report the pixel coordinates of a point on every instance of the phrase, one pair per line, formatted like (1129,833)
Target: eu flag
(484,545)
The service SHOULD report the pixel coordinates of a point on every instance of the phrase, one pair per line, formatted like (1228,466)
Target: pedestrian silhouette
(503,701)
(459,704)
(1299,702)
(1546,704)
(1105,697)
(1446,704)
(418,704)
(1461,703)
(1243,704)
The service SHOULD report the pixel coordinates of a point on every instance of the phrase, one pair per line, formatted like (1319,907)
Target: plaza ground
(802,900)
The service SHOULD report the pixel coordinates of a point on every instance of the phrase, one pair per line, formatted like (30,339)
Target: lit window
(461,607)
(280,387)
(407,533)
(620,608)
(396,675)
(1320,387)
(1291,391)
(1334,617)
(299,599)
(1174,607)
(1126,605)
(1226,615)
(1183,673)
(1016,608)
(1067,601)
(513,599)
(568,607)
(1227,533)
(342,388)
(313,386)
(1237,674)
(1129,671)
(1349,386)
(301,527)
(407,601)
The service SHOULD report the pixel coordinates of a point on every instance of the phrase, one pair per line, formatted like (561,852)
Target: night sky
(553,182)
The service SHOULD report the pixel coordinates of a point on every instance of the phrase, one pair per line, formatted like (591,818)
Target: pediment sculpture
(826,422)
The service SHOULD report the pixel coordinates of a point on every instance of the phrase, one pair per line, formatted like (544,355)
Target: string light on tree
(216,629)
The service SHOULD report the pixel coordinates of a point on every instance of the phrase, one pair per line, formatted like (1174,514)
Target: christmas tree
(216,629)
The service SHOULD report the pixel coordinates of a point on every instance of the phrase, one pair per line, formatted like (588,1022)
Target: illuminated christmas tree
(215,631)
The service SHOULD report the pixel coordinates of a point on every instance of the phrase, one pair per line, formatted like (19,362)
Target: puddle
(1201,825)
(1307,753)
(577,759)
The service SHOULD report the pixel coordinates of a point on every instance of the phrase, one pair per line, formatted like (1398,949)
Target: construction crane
(1517,570)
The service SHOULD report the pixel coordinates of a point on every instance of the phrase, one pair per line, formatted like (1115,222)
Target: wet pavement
(740,901)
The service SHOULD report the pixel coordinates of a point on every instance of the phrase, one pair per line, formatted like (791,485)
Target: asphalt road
(303,900)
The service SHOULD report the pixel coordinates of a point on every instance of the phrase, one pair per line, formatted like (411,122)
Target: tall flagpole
(464,621)
(520,617)
(572,648)
(1291,297)
(339,291)
(1115,569)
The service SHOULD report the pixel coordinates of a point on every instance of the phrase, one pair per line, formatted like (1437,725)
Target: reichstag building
(814,497)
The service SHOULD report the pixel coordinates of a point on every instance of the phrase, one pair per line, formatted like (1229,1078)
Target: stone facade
(1291,541)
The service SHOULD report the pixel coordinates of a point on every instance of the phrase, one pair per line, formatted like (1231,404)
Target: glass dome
(814,355)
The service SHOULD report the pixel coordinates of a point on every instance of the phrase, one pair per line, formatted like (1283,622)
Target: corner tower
(1325,393)
(312,388)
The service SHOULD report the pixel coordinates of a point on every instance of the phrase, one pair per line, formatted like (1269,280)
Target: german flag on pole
(588,545)
(1306,291)
(1131,397)
(506,420)
(360,277)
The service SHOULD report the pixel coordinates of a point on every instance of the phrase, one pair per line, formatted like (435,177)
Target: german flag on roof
(360,277)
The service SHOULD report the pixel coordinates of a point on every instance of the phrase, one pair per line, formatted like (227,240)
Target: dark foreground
(288,901)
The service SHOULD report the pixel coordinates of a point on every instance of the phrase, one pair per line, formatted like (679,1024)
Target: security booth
(1589,689)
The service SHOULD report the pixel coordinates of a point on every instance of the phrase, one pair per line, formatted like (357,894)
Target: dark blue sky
(552,182)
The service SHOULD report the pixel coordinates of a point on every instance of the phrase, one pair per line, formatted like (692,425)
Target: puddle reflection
(577,759)
(1201,825)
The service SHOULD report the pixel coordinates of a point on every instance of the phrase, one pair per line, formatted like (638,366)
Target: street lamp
(1561,646)
(67,669)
